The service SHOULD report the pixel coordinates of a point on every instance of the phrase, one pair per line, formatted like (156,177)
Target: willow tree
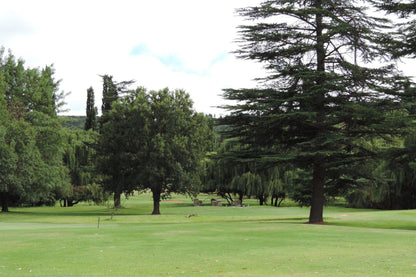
(322,95)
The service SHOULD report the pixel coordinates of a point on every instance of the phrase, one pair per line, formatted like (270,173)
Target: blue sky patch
(139,50)
(174,62)
(220,57)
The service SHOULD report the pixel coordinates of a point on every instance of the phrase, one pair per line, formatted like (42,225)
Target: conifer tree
(322,99)
(404,43)
(91,121)
(109,96)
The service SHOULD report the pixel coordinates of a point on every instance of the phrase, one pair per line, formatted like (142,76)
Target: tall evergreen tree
(91,111)
(111,92)
(109,96)
(404,44)
(322,97)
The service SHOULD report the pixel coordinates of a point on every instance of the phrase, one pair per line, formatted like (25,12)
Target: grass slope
(218,241)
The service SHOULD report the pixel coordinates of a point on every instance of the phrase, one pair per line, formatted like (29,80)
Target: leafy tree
(91,111)
(22,165)
(31,132)
(322,96)
(154,141)
(112,149)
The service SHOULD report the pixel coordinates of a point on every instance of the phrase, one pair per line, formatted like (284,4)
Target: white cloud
(182,44)
(187,45)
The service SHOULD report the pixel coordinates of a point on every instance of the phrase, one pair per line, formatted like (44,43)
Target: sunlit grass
(217,241)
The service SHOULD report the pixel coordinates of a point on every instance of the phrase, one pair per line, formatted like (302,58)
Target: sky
(180,44)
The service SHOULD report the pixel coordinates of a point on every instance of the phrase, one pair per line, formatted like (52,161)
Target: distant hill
(74,122)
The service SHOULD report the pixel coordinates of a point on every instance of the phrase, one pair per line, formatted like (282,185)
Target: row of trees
(143,140)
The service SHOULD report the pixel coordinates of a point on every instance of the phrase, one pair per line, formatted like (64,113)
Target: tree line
(333,117)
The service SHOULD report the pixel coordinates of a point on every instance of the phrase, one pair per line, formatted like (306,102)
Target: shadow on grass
(59,213)
(387,225)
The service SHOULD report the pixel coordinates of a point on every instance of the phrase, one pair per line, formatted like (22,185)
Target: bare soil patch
(173,201)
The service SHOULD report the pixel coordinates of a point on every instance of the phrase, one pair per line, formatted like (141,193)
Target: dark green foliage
(110,95)
(111,92)
(153,141)
(321,98)
(403,43)
(73,122)
(91,111)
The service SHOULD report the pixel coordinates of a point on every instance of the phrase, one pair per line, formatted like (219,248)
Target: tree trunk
(117,199)
(318,198)
(317,202)
(72,202)
(241,196)
(4,198)
(261,198)
(156,200)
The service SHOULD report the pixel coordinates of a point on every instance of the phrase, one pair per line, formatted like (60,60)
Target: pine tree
(109,96)
(112,91)
(404,43)
(91,121)
(322,98)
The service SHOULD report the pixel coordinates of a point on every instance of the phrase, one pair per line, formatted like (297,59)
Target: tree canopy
(153,140)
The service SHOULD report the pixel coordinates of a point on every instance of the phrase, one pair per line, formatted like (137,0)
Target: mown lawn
(218,241)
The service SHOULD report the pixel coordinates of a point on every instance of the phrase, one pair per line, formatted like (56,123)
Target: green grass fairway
(218,241)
